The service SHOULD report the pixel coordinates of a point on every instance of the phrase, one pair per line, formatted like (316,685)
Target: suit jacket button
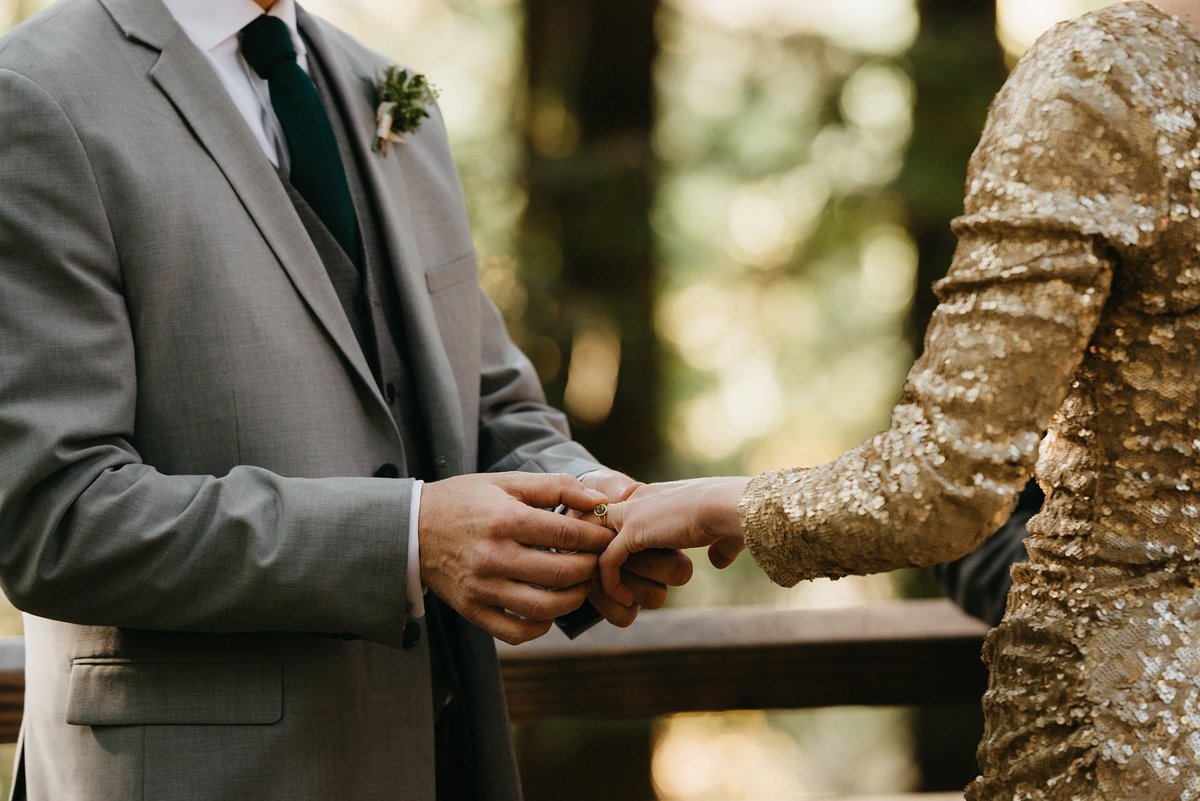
(390,393)
(412,635)
(388,470)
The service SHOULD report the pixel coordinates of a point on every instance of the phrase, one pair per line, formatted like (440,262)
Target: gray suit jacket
(188,429)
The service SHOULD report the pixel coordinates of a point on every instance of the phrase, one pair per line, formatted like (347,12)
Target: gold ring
(601,513)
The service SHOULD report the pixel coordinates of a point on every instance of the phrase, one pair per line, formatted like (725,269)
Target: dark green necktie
(316,166)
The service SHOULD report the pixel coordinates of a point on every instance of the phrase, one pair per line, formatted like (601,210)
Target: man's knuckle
(560,534)
(538,609)
(561,575)
(579,594)
(559,603)
(469,588)
(495,527)
(578,569)
(522,631)
(474,615)
(472,562)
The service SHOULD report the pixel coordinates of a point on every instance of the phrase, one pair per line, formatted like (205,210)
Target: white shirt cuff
(416,591)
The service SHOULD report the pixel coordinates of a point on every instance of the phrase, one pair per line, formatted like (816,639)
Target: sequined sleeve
(1056,192)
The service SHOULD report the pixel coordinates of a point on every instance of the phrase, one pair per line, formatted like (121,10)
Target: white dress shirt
(213,26)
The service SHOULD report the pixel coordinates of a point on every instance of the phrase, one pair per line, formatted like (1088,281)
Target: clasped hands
(493,550)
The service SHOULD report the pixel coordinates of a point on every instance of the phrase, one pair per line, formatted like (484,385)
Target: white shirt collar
(210,23)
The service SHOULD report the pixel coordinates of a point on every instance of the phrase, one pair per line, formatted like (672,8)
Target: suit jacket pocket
(451,273)
(455,296)
(113,692)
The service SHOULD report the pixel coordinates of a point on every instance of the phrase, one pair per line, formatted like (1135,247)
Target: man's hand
(646,574)
(479,538)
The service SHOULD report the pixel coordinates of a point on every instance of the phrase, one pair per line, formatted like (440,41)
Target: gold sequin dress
(1072,307)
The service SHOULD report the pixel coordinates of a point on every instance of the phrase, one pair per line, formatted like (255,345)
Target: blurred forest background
(712,224)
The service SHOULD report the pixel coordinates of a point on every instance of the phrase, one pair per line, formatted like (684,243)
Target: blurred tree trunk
(586,242)
(957,65)
(587,262)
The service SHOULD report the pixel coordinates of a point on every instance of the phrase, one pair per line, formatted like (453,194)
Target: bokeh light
(1021,22)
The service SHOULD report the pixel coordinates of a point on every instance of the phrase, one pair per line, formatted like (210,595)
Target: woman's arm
(1064,180)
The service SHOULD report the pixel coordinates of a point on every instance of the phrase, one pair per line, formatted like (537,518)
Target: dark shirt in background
(979,582)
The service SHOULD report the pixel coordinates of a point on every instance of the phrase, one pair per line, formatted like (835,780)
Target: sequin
(1072,307)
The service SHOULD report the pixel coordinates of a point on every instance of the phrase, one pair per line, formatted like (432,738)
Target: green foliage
(412,94)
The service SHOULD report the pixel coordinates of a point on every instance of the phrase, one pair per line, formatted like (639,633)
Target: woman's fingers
(611,561)
(624,494)
(609,514)
(660,565)
(647,594)
(615,612)
(677,515)
(639,531)
(724,551)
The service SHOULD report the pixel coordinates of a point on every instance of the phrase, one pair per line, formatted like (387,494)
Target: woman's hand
(675,515)
(647,575)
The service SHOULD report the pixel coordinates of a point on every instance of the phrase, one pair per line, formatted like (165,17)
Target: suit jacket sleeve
(89,533)
(518,430)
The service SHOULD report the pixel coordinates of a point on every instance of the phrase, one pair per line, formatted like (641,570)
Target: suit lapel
(185,76)
(354,93)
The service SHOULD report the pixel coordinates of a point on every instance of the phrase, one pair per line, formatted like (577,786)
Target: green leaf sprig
(404,100)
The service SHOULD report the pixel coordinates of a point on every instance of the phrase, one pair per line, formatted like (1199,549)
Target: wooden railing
(677,660)
(683,660)
(12,687)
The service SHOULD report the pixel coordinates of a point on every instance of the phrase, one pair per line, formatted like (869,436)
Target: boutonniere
(403,101)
